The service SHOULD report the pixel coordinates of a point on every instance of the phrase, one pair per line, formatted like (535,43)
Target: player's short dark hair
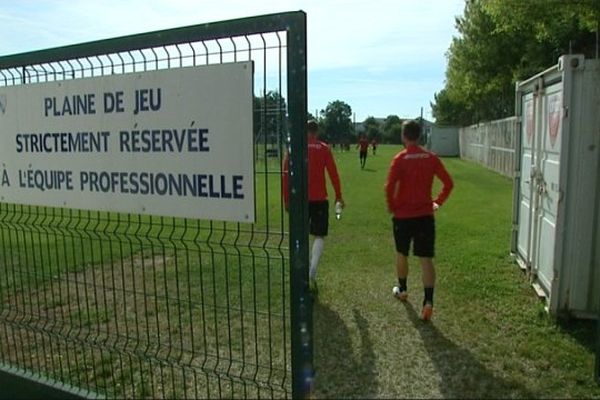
(411,130)
(312,126)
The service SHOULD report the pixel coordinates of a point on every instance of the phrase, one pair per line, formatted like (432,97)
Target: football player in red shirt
(320,160)
(408,193)
(363,143)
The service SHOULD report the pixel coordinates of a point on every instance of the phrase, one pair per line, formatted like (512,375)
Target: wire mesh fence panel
(129,305)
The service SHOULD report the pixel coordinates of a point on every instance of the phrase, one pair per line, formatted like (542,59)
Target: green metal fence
(124,305)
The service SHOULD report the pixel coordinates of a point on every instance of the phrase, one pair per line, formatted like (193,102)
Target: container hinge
(565,111)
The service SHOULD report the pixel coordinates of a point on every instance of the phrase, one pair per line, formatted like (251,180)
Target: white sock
(317,250)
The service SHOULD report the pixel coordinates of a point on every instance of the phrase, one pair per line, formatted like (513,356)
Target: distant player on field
(320,160)
(363,144)
(408,194)
(374,145)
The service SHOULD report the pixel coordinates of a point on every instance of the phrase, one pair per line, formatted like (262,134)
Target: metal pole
(421,123)
(301,301)
(597,38)
(597,367)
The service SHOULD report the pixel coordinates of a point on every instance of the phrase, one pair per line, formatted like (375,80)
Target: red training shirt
(410,180)
(363,144)
(319,160)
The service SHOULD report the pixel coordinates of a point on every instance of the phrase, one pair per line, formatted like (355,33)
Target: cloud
(384,39)
(340,33)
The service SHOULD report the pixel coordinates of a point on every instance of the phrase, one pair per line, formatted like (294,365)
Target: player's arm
(448,184)
(334,176)
(391,186)
(284,180)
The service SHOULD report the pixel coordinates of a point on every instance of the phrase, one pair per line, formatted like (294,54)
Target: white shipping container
(443,141)
(556,207)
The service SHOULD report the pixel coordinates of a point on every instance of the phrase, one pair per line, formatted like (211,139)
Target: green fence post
(597,364)
(300,302)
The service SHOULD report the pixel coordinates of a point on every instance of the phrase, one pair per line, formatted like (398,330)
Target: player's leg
(424,249)
(428,278)
(402,237)
(316,252)
(428,287)
(319,226)
(401,291)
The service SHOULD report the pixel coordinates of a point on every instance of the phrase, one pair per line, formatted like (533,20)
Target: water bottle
(338,210)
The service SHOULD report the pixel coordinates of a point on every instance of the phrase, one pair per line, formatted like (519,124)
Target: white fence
(491,144)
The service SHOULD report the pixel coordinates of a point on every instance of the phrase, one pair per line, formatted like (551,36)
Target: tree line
(500,42)
(337,125)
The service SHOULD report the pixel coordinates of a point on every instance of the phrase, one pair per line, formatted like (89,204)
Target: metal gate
(124,305)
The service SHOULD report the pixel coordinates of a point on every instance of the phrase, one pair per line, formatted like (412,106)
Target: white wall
(491,144)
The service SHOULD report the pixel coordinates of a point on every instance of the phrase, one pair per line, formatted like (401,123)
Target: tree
(392,129)
(372,128)
(449,109)
(479,73)
(269,117)
(503,41)
(337,123)
(548,29)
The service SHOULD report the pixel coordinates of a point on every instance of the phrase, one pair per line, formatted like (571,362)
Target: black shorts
(363,154)
(318,217)
(419,230)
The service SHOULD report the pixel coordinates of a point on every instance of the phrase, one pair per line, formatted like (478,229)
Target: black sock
(402,284)
(428,296)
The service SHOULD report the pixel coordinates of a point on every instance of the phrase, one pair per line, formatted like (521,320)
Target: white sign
(175,142)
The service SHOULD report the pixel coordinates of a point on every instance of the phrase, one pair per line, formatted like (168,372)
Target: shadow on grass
(462,375)
(340,373)
(369,169)
(583,331)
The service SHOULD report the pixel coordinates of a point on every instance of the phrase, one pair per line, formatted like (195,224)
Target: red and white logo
(554,116)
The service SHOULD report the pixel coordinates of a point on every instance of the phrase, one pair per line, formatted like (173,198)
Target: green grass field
(490,336)
(169,308)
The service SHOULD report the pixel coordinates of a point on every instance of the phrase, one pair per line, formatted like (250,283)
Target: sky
(382,57)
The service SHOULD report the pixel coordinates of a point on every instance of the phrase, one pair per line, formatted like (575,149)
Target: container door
(539,184)
(547,184)
(525,214)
